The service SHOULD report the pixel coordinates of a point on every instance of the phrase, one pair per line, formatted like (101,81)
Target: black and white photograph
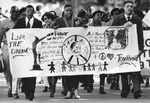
(74,51)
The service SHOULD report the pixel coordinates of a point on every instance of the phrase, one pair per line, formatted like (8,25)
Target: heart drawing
(110,56)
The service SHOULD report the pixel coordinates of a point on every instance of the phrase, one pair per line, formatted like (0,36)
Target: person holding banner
(84,20)
(22,12)
(29,21)
(7,24)
(97,18)
(48,19)
(68,20)
(114,78)
(127,19)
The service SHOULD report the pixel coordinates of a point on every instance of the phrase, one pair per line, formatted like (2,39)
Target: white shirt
(128,16)
(31,21)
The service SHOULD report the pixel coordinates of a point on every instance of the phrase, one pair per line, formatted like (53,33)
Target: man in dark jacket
(29,22)
(127,19)
(68,20)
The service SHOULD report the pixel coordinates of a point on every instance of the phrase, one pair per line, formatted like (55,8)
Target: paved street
(112,96)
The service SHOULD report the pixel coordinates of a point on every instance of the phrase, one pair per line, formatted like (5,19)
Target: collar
(126,16)
(31,21)
(28,19)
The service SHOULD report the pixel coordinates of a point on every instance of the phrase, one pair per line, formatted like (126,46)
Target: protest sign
(72,51)
(145,57)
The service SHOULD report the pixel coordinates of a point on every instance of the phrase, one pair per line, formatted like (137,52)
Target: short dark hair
(49,16)
(23,9)
(139,13)
(127,2)
(82,13)
(68,5)
(114,10)
(121,10)
(30,6)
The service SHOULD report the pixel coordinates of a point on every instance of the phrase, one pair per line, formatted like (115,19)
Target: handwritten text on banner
(72,51)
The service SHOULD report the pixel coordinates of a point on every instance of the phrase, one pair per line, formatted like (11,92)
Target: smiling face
(97,17)
(47,20)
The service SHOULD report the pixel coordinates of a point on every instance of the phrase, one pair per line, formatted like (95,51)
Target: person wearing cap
(7,24)
(97,22)
(83,18)
(127,19)
(113,79)
(96,18)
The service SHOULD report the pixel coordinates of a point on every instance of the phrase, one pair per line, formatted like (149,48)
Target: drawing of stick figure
(72,68)
(105,64)
(93,65)
(52,69)
(89,68)
(64,67)
(99,66)
(84,68)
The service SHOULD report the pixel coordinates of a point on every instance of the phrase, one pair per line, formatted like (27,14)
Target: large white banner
(145,57)
(72,51)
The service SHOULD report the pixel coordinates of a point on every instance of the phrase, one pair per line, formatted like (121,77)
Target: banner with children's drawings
(72,51)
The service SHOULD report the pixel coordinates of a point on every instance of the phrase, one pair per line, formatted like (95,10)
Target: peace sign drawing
(76,50)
